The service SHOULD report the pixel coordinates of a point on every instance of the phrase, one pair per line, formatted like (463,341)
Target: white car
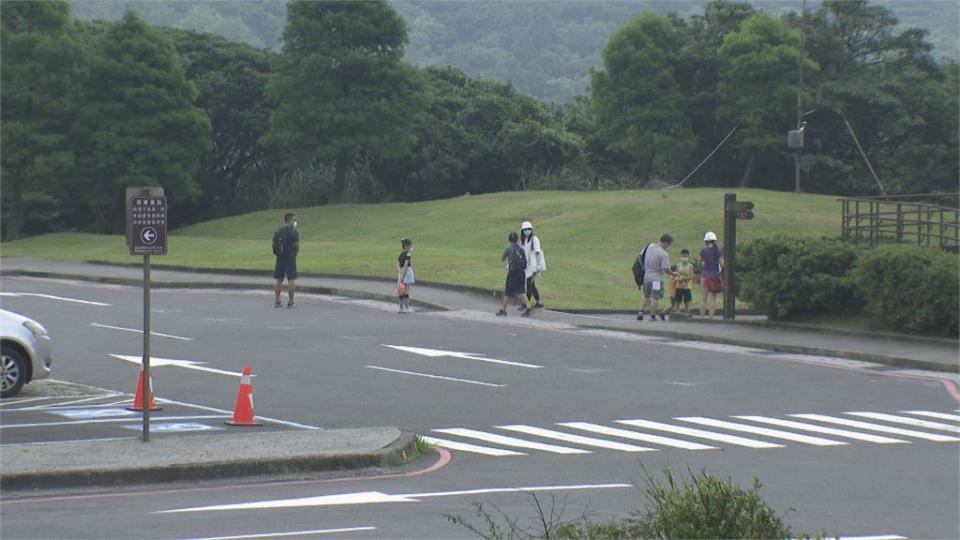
(26,352)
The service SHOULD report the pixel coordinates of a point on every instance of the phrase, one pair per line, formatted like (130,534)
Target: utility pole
(800,127)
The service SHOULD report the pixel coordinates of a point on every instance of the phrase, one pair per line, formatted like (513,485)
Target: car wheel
(14,371)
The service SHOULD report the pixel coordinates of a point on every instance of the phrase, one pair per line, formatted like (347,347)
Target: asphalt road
(336,363)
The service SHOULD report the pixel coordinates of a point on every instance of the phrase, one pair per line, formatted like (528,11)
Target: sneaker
(520,308)
(538,305)
(290,305)
(663,316)
(527,313)
(640,317)
(277,304)
(502,313)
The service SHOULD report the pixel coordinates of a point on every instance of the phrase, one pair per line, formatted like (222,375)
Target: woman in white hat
(711,269)
(536,263)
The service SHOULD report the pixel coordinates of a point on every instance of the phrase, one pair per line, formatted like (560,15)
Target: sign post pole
(729,254)
(146,236)
(146,391)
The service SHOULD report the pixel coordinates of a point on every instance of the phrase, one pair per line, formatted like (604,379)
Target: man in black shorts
(286,245)
(516,276)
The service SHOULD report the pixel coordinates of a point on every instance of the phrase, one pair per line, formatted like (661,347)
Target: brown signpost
(146,236)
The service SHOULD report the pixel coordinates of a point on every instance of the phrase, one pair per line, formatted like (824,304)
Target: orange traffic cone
(138,399)
(243,412)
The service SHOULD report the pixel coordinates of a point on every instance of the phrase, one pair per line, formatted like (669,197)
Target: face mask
(295,224)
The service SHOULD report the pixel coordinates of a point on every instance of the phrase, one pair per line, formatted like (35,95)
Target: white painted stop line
(376,497)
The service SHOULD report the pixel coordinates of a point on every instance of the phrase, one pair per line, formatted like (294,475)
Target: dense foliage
(340,115)
(786,277)
(911,287)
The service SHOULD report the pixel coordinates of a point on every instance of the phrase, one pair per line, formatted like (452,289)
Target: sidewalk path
(899,350)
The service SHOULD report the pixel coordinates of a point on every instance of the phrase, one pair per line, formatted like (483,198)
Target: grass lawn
(590,238)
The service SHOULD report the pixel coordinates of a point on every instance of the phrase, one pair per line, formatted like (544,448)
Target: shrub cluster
(911,288)
(786,277)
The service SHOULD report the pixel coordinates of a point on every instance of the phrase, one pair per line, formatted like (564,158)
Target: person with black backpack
(515,288)
(286,246)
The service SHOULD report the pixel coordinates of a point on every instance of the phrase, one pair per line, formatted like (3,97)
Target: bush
(911,287)
(705,506)
(785,277)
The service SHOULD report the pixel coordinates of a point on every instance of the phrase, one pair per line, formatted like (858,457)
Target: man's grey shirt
(655,263)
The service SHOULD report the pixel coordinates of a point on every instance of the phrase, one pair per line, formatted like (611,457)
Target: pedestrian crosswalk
(748,431)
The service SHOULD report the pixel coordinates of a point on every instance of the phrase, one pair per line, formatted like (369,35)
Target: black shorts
(683,295)
(285,268)
(516,283)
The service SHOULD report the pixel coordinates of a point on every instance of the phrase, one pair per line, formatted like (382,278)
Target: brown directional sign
(743,209)
(148,225)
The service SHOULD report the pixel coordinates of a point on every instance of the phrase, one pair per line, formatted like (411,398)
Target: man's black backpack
(281,247)
(518,259)
(638,267)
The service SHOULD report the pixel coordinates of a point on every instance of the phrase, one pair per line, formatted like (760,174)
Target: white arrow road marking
(376,497)
(429,376)
(52,297)
(437,353)
(286,534)
(189,364)
(137,331)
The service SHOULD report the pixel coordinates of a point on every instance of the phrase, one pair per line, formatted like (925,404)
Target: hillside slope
(589,238)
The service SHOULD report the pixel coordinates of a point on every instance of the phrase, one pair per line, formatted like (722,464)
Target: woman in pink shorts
(711,274)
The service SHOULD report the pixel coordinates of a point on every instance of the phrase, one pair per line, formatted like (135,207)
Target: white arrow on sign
(189,364)
(437,353)
(148,234)
(374,497)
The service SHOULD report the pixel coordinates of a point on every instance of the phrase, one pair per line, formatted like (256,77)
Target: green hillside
(589,238)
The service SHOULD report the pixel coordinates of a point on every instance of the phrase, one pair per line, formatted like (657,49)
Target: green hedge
(786,277)
(911,287)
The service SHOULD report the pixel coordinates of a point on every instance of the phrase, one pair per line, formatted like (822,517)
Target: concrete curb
(159,284)
(911,363)
(470,289)
(399,450)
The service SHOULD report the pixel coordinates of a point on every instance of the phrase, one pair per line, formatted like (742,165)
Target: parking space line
(47,443)
(111,420)
(287,534)
(18,401)
(53,297)
(230,413)
(67,403)
(137,331)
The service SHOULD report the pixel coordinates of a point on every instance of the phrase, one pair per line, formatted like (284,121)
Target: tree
(341,89)
(636,98)
(137,126)
(40,69)
(758,86)
(231,82)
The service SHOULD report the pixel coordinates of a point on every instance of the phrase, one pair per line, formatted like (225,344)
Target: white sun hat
(710,237)
(526,225)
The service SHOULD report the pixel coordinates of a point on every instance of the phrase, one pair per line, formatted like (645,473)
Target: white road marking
(716,347)
(46,443)
(877,427)
(230,413)
(877,537)
(510,441)
(465,447)
(136,331)
(188,364)
(111,420)
(429,376)
(437,353)
(766,432)
(288,534)
(64,403)
(576,439)
(709,435)
(637,436)
(52,297)
(93,412)
(821,429)
(931,414)
(18,401)
(376,497)
(906,420)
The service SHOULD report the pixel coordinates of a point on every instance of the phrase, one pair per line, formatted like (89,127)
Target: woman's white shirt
(536,262)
